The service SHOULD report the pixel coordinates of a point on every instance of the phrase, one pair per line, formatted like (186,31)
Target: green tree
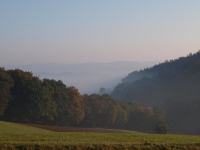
(32,100)
(47,106)
(19,105)
(6,83)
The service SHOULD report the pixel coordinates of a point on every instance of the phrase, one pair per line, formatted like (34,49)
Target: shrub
(161,128)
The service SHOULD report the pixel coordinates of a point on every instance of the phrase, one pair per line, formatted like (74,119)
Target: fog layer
(87,77)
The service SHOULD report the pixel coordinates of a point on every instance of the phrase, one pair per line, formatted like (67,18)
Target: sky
(81,31)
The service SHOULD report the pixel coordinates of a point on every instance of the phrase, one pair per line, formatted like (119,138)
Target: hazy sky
(79,31)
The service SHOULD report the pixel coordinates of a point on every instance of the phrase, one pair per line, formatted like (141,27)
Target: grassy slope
(14,136)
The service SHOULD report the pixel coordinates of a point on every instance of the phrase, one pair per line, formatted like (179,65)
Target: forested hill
(184,65)
(174,85)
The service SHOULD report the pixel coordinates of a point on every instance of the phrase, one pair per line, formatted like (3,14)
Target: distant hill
(174,85)
(87,77)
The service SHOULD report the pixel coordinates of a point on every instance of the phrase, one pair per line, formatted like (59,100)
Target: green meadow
(16,136)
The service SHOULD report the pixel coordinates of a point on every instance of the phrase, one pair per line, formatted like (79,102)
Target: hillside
(174,85)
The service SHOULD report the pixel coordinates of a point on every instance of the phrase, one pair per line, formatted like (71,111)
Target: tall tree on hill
(47,106)
(60,99)
(75,109)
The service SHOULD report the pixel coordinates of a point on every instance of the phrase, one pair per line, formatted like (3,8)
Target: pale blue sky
(79,31)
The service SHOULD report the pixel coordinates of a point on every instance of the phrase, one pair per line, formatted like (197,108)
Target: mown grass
(14,136)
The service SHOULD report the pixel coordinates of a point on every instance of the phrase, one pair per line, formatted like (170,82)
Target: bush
(161,128)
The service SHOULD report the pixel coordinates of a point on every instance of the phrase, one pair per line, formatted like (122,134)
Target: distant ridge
(87,77)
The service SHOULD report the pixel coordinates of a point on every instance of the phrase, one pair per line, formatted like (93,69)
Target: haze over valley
(124,64)
(87,77)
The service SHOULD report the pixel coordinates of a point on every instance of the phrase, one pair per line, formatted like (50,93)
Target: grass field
(15,136)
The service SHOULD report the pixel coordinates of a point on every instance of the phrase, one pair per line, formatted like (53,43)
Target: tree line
(25,98)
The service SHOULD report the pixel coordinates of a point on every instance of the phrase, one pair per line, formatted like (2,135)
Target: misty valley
(163,98)
(86,77)
(99,75)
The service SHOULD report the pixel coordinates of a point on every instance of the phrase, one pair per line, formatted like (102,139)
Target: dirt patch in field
(75,129)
